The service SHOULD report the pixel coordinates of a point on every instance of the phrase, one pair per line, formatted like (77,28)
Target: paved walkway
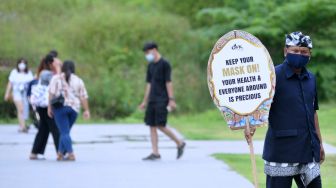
(110,156)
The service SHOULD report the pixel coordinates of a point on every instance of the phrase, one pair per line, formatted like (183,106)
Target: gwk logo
(237,47)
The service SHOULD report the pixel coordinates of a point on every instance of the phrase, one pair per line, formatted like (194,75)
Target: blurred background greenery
(105,38)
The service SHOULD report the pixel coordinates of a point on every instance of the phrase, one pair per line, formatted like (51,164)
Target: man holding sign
(293,145)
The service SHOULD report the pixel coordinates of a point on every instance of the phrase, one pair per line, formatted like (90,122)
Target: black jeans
(286,182)
(46,126)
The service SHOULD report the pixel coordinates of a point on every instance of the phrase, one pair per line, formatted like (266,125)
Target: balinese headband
(298,39)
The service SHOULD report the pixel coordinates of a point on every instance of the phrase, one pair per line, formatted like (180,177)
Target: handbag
(58,102)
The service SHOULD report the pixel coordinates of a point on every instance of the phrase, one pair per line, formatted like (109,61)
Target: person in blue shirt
(293,146)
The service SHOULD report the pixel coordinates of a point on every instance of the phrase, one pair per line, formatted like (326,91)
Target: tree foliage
(105,38)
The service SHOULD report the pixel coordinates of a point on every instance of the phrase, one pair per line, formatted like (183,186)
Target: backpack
(39,95)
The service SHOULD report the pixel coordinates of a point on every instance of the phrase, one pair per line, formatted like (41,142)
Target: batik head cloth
(298,39)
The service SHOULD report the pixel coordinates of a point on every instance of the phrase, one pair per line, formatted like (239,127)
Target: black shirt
(158,74)
(291,135)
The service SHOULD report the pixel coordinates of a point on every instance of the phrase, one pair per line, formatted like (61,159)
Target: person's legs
(54,131)
(279,182)
(25,106)
(316,183)
(150,121)
(62,122)
(66,135)
(160,120)
(19,108)
(170,134)
(154,140)
(42,135)
(155,149)
(161,114)
(298,181)
(180,143)
(72,117)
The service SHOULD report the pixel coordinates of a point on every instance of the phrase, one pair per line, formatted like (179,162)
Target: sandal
(70,157)
(60,157)
(23,130)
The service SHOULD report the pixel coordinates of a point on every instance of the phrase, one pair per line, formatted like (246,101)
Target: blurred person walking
(158,99)
(66,93)
(18,80)
(39,100)
(54,65)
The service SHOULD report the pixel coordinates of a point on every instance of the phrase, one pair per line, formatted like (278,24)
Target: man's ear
(285,51)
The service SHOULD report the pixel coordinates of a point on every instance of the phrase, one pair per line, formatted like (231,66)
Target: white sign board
(241,79)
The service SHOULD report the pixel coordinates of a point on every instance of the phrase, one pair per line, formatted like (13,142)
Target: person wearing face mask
(293,146)
(18,80)
(158,99)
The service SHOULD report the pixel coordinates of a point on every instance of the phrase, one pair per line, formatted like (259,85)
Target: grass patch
(8,121)
(210,125)
(327,120)
(242,165)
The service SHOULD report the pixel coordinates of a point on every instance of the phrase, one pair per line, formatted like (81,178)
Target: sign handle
(252,156)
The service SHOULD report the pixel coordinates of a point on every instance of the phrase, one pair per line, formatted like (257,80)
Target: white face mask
(22,66)
(150,57)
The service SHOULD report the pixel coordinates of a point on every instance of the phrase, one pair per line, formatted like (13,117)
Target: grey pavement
(110,156)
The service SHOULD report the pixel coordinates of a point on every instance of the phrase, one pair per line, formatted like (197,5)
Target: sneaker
(180,150)
(36,157)
(152,157)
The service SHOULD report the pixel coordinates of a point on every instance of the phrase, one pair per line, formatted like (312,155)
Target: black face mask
(297,60)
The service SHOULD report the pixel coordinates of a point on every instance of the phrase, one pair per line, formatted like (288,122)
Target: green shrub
(105,40)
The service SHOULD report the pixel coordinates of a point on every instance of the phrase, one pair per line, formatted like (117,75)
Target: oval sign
(241,79)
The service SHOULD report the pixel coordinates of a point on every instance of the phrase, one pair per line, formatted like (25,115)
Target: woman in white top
(18,80)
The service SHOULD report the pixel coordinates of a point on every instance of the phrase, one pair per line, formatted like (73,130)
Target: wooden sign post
(241,82)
